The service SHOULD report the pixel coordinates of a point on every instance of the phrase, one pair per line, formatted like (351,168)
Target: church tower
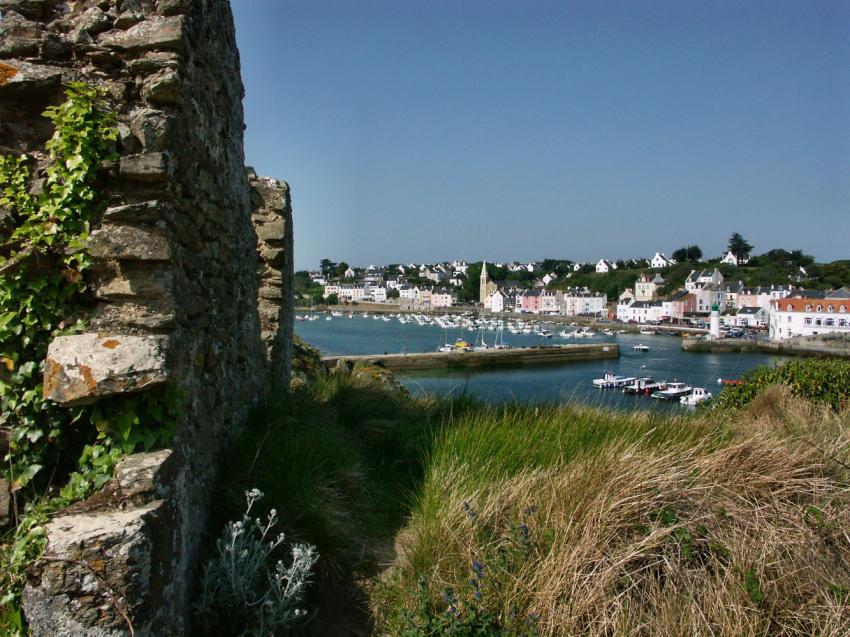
(483,290)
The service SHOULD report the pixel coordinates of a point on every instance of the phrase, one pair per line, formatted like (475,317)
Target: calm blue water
(552,383)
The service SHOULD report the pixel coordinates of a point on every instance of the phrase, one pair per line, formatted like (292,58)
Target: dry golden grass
(747,533)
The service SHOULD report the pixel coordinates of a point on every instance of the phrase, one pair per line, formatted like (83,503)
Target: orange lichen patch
(7,73)
(85,372)
(111,343)
(52,377)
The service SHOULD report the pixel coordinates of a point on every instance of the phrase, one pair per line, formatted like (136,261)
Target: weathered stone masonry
(193,278)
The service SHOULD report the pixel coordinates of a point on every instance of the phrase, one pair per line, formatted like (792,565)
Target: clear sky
(432,130)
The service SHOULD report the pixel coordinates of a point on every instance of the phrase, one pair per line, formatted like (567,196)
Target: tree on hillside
(341,268)
(739,246)
(327,266)
(687,253)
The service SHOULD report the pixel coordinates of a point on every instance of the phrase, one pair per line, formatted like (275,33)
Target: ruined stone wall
(187,296)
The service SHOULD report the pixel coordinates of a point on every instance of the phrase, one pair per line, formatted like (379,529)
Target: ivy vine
(57,454)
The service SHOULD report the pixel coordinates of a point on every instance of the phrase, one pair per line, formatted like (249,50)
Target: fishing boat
(644,386)
(462,345)
(565,334)
(640,347)
(673,391)
(696,396)
(613,381)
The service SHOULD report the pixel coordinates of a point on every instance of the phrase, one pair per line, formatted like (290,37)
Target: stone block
(19,36)
(152,127)
(144,212)
(142,283)
(19,76)
(271,231)
(83,367)
(94,562)
(148,167)
(163,88)
(157,32)
(129,243)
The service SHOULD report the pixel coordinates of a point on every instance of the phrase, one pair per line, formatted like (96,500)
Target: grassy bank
(453,518)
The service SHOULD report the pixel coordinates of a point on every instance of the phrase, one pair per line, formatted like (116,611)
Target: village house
(791,317)
(750,317)
(762,296)
(576,302)
(646,289)
(604,266)
(732,259)
(679,305)
(442,298)
(644,312)
(660,261)
(330,288)
(530,301)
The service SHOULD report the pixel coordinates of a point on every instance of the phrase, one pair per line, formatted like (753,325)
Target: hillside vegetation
(437,517)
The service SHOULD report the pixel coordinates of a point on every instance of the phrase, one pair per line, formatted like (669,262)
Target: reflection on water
(552,383)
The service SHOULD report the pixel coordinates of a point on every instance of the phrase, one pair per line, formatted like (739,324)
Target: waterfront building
(679,305)
(577,302)
(530,301)
(697,279)
(753,316)
(441,297)
(550,301)
(793,316)
(645,312)
(407,292)
(330,288)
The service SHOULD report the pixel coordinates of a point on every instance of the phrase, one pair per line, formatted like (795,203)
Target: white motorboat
(695,397)
(640,347)
(673,391)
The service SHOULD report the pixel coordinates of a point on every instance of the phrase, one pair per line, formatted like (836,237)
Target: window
(830,308)
(818,322)
(808,320)
(789,319)
(819,308)
(842,322)
(790,308)
(808,308)
(830,321)
(842,309)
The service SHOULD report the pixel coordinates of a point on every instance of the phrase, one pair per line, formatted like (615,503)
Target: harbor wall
(815,346)
(554,355)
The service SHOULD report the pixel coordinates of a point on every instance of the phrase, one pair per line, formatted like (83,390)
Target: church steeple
(483,284)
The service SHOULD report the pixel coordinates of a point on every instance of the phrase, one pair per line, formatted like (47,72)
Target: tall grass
(603,523)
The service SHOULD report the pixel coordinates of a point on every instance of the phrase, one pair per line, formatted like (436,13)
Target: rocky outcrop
(193,280)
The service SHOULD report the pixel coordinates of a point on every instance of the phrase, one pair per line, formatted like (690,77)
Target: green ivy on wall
(57,454)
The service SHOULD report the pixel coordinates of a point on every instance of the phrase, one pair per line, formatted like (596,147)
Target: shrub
(243,593)
(818,380)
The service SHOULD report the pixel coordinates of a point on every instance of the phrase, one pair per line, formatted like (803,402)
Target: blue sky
(432,130)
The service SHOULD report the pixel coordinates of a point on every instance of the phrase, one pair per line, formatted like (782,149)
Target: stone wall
(187,296)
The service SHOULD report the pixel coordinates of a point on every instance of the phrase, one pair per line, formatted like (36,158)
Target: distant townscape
(784,293)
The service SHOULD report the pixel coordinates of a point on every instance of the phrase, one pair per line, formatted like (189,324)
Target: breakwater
(829,348)
(555,354)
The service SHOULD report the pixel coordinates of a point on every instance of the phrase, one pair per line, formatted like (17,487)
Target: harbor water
(551,383)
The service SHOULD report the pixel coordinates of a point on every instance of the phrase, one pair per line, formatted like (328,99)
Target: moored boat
(640,347)
(644,385)
(612,381)
(695,397)
(673,391)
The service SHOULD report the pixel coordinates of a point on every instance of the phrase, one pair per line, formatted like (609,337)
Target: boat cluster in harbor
(658,389)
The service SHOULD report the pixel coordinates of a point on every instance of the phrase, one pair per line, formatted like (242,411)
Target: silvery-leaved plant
(240,584)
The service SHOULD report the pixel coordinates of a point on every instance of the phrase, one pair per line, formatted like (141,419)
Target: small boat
(695,397)
(608,332)
(640,347)
(613,381)
(462,346)
(647,332)
(565,334)
(644,386)
(673,391)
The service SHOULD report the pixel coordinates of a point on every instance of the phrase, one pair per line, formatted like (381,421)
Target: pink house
(531,301)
